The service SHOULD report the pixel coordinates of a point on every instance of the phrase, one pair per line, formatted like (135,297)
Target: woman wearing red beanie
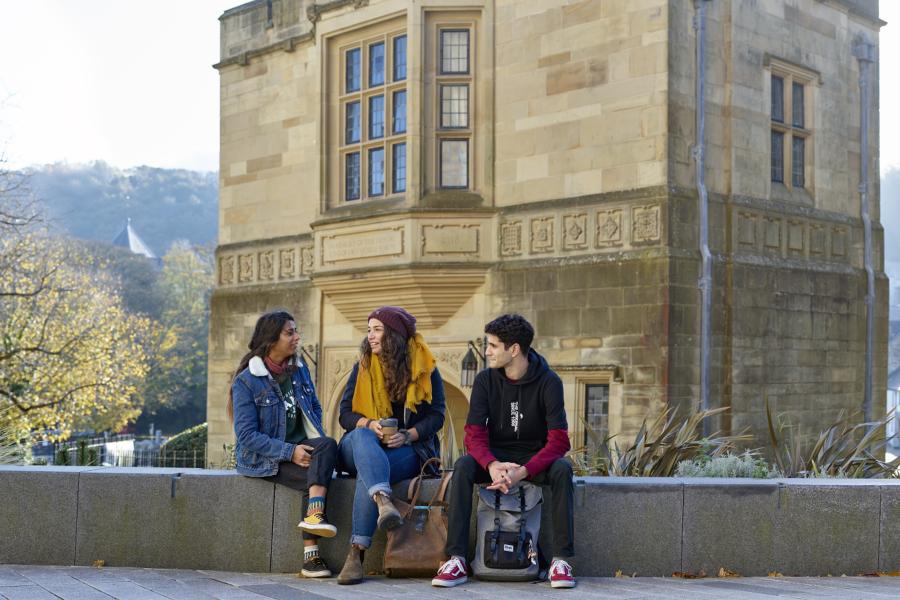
(395,377)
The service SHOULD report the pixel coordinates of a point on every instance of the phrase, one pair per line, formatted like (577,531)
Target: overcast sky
(130,82)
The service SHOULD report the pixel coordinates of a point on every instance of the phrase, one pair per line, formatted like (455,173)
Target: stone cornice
(274,241)
(314,13)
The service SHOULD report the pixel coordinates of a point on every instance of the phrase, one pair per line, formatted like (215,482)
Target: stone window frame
(363,39)
(792,74)
(606,377)
(439,24)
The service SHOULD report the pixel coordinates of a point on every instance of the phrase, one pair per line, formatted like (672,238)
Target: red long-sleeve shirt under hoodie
(521,420)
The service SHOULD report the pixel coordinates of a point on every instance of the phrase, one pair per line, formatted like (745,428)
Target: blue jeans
(375,468)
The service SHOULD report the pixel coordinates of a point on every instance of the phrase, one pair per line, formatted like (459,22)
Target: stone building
(468,158)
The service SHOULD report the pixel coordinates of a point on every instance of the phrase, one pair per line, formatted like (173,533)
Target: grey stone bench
(204,519)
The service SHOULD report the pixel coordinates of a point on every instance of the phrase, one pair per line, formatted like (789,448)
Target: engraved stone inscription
(645,223)
(287,263)
(542,235)
(511,238)
(267,265)
(449,239)
(609,228)
(575,231)
(368,244)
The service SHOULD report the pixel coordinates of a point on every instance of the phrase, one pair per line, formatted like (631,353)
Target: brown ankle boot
(388,515)
(352,573)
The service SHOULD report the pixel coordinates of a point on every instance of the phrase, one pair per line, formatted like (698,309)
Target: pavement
(102,583)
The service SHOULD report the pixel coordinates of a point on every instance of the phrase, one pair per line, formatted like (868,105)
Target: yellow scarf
(370,397)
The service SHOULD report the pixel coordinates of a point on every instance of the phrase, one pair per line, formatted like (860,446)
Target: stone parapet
(204,519)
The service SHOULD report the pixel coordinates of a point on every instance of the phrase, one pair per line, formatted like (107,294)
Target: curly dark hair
(512,329)
(394,359)
(265,335)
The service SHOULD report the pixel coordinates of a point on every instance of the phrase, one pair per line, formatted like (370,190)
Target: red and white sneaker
(561,574)
(451,574)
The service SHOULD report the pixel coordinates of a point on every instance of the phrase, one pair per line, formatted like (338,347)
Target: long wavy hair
(394,359)
(265,335)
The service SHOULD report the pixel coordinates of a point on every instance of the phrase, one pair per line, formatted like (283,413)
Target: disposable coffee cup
(388,428)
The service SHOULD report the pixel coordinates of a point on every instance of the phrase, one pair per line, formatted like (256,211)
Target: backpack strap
(522,522)
(495,535)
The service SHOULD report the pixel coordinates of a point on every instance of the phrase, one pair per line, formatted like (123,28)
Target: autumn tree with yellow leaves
(70,356)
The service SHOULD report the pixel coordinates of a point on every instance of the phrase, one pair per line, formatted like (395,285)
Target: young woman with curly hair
(395,378)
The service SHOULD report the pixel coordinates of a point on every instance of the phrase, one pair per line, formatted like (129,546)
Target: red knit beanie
(396,318)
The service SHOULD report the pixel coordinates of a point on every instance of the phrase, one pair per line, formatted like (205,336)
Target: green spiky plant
(845,449)
(12,452)
(660,444)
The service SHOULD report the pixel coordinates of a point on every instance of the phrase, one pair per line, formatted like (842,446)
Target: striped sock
(316,505)
(310,552)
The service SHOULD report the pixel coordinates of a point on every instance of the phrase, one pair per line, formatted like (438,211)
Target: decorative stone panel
(796,237)
(746,230)
(645,224)
(287,263)
(456,240)
(839,242)
(818,237)
(772,237)
(609,228)
(267,265)
(542,241)
(575,231)
(245,268)
(355,245)
(226,270)
(511,238)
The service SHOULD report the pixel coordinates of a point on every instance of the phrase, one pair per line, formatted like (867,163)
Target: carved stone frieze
(267,265)
(287,263)
(226,270)
(746,229)
(818,237)
(575,235)
(542,240)
(308,264)
(511,238)
(609,228)
(645,224)
(245,268)
(796,236)
(772,237)
(839,242)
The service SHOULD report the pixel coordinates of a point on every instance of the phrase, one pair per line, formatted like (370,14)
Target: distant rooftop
(128,238)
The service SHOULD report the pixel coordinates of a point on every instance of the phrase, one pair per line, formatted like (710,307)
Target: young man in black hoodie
(516,429)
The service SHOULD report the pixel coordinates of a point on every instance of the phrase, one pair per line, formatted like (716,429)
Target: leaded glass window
(376,64)
(454,106)
(376,172)
(454,163)
(454,51)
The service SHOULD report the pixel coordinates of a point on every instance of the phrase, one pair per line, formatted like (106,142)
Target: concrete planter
(204,519)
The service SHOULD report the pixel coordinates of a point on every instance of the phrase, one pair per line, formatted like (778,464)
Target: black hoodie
(518,413)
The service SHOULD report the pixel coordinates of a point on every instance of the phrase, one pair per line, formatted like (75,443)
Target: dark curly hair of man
(512,329)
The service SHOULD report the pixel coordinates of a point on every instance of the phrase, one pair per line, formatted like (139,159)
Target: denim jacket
(260,417)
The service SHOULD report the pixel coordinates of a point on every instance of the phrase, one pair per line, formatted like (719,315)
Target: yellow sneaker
(317,525)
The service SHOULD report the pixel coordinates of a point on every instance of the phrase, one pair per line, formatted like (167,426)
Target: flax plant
(845,449)
(658,447)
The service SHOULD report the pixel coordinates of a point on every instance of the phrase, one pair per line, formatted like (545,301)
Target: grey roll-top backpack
(508,526)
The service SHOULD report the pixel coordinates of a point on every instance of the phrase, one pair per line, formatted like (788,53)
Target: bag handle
(416,483)
(442,490)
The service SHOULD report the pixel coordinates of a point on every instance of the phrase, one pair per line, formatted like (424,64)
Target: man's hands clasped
(505,475)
